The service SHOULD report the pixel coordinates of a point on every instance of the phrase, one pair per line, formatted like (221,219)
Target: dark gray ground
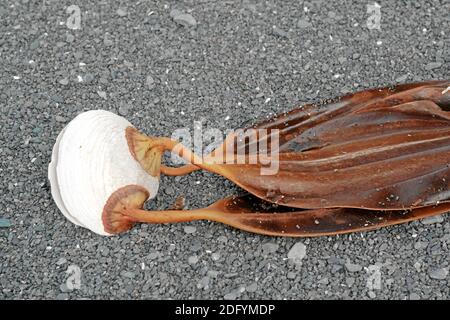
(231,68)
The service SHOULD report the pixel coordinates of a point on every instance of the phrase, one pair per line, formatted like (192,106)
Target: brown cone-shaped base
(128,197)
(145,150)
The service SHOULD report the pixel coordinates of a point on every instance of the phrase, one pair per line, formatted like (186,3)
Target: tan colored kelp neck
(148,152)
(254,215)
(367,160)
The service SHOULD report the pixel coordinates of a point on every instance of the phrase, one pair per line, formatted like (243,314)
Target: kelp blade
(381,149)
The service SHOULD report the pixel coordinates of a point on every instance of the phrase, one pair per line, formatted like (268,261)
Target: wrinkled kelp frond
(383,149)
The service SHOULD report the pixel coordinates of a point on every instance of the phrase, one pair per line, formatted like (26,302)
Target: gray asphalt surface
(235,62)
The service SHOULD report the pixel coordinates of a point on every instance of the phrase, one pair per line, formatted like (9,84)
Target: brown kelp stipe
(254,215)
(378,157)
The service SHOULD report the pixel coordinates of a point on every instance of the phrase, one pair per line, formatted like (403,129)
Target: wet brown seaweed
(363,161)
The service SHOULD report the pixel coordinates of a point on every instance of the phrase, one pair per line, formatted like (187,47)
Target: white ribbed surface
(90,161)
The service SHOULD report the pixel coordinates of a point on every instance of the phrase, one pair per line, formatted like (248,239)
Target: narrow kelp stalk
(254,215)
(368,160)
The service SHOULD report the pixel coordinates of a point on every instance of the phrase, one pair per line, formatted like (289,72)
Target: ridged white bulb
(90,161)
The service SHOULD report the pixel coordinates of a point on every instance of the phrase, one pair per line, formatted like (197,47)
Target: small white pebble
(215,256)
(102,94)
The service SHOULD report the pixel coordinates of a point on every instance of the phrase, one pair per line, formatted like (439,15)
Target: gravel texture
(164,65)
